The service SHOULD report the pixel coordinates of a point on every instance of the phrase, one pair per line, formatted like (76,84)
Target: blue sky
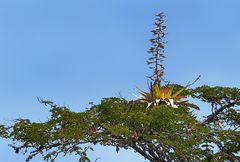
(74,52)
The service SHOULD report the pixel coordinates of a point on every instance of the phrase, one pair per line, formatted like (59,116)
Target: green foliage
(3,131)
(216,95)
(160,132)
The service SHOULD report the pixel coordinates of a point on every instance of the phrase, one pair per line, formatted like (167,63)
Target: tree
(160,125)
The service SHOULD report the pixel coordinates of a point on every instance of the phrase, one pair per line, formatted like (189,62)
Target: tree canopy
(160,125)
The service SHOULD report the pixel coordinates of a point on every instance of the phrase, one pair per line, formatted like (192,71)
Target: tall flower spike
(157,51)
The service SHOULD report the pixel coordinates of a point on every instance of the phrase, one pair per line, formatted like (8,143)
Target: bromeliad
(161,94)
(164,95)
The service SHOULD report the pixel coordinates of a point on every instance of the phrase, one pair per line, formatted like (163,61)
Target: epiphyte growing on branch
(164,95)
(159,94)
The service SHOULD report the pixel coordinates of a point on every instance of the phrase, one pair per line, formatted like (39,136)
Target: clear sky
(74,52)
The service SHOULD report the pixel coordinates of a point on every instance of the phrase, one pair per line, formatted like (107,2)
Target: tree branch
(212,117)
